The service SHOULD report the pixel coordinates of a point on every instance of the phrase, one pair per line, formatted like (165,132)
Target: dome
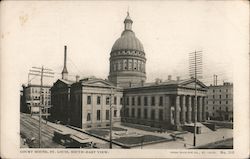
(128,41)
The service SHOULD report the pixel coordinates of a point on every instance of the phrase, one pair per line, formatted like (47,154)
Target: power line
(42,72)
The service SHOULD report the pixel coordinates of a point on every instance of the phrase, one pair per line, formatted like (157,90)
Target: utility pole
(42,72)
(195,69)
(110,119)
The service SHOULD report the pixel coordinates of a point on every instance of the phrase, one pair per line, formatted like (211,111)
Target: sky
(34,34)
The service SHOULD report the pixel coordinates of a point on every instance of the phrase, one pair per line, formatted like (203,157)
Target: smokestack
(65,55)
(65,71)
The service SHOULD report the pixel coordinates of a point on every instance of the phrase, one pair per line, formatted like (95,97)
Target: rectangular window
(160,114)
(88,117)
(107,114)
(152,101)
(213,108)
(213,90)
(220,96)
(161,101)
(121,101)
(220,102)
(213,96)
(152,114)
(139,101)
(133,112)
(124,64)
(138,113)
(115,113)
(213,102)
(145,101)
(107,100)
(226,95)
(98,100)
(127,112)
(115,100)
(133,101)
(226,102)
(226,109)
(89,100)
(127,102)
(145,113)
(98,115)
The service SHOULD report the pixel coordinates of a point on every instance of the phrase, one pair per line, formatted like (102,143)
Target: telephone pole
(110,118)
(195,69)
(42,72)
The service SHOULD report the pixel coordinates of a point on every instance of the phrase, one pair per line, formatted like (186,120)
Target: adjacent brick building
(219,105)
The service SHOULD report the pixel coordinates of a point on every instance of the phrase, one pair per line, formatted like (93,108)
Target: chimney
(178,78)
(65,71)
(77,78)
(130,84)
(157,81)
(142,82)
(169,77)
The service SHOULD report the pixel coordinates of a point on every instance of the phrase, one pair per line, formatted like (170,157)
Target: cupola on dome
(128,40)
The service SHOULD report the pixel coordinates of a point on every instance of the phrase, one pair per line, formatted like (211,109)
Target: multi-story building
(91,99)
(32,98)
(169,104)
(219,104)
(84,103)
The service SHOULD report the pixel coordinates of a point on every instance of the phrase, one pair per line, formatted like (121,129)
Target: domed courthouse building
(164,104)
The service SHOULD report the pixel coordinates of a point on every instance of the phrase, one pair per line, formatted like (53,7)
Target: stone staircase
(204,129)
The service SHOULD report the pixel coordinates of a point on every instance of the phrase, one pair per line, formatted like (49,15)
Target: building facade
(219,104)
(167,104)
(60,99)
(91,100)
(32,97)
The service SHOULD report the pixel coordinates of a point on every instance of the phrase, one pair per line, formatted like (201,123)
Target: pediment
(99,83)
(60,84)
(191,84)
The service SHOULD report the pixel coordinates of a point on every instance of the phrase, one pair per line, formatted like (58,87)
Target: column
(194,109)
(203,109)
(183,111)
(177,110)
(189,106)
(199,112)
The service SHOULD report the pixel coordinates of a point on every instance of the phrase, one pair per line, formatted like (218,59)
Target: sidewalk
(201,139)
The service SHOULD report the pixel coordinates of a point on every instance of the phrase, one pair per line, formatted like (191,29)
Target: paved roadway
(48,130)
(29,127)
